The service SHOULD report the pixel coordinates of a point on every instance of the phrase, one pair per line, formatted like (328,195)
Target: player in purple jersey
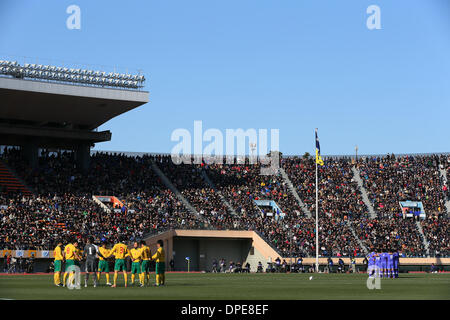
(370,263)
(390,265)
(383,264)
(378,264)
(395,262)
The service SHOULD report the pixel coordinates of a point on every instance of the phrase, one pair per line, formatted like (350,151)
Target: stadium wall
(202,246)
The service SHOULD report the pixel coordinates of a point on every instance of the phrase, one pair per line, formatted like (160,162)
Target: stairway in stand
(9,182)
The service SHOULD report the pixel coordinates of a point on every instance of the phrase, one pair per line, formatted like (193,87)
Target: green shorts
(58,265)
(145,266)
(120,265)
(136,267)
(160,267)
(103,266)
(69,263)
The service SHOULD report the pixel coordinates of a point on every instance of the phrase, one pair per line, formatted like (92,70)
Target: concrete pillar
(30,150)
(83,157)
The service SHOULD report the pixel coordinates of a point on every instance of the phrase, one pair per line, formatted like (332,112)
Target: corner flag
(319,160)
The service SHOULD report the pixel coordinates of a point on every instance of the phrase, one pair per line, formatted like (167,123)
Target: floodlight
(102,78)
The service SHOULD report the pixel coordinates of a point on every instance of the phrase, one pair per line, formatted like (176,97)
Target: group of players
(383,265)
(140,256)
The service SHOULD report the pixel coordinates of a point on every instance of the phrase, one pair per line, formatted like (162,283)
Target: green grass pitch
(237,286)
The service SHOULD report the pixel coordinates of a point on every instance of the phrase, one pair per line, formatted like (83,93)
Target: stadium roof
(83,106)
(58,114)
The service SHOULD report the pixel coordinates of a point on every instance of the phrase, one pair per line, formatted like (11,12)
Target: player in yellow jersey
(58,255)
(145,265)
(71,255)
(120,251)
(79,254)
(160,259)
(135,255)
(103,265)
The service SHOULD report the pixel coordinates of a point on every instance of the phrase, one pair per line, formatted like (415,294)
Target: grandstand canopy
(60,115)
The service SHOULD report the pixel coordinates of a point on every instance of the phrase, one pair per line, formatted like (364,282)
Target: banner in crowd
(7,252)
(116,203)
(413,208)
(32,253)
(27,253)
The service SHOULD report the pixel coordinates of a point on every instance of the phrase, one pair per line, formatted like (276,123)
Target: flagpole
(317,217)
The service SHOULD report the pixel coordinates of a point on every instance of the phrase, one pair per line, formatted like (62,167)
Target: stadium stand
(392,179)
(437,232)
(9,181)
(338,190)
(62,203)
(64,195)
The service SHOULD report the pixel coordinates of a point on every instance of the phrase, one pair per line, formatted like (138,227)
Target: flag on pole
(319,160)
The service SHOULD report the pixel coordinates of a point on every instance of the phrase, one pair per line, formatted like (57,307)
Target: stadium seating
(9,182)
(338,191)
(61,204)
(391,179)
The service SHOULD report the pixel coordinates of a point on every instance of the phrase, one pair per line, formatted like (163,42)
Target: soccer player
(383,264)
(160,259)
(57,253)
(145,265)
(102,263)
(384,258)
(378,265)
(120,251)
(390,265)
(70,254)
(371,263)
(90,252)
(135,255)
(79,255)
(396,261)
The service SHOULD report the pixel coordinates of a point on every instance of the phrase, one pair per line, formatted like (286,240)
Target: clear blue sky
(292,65)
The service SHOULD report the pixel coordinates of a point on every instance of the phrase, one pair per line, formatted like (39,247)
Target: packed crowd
(188,180)
(437,232)
(63,204)
(338,191)
(223,194)
(395,233)
(391,179)
(242,184)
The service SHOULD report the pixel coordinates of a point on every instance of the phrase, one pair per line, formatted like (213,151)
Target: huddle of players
(140,256)
(386,263)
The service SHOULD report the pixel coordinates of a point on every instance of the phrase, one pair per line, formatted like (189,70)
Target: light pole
(252,149)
